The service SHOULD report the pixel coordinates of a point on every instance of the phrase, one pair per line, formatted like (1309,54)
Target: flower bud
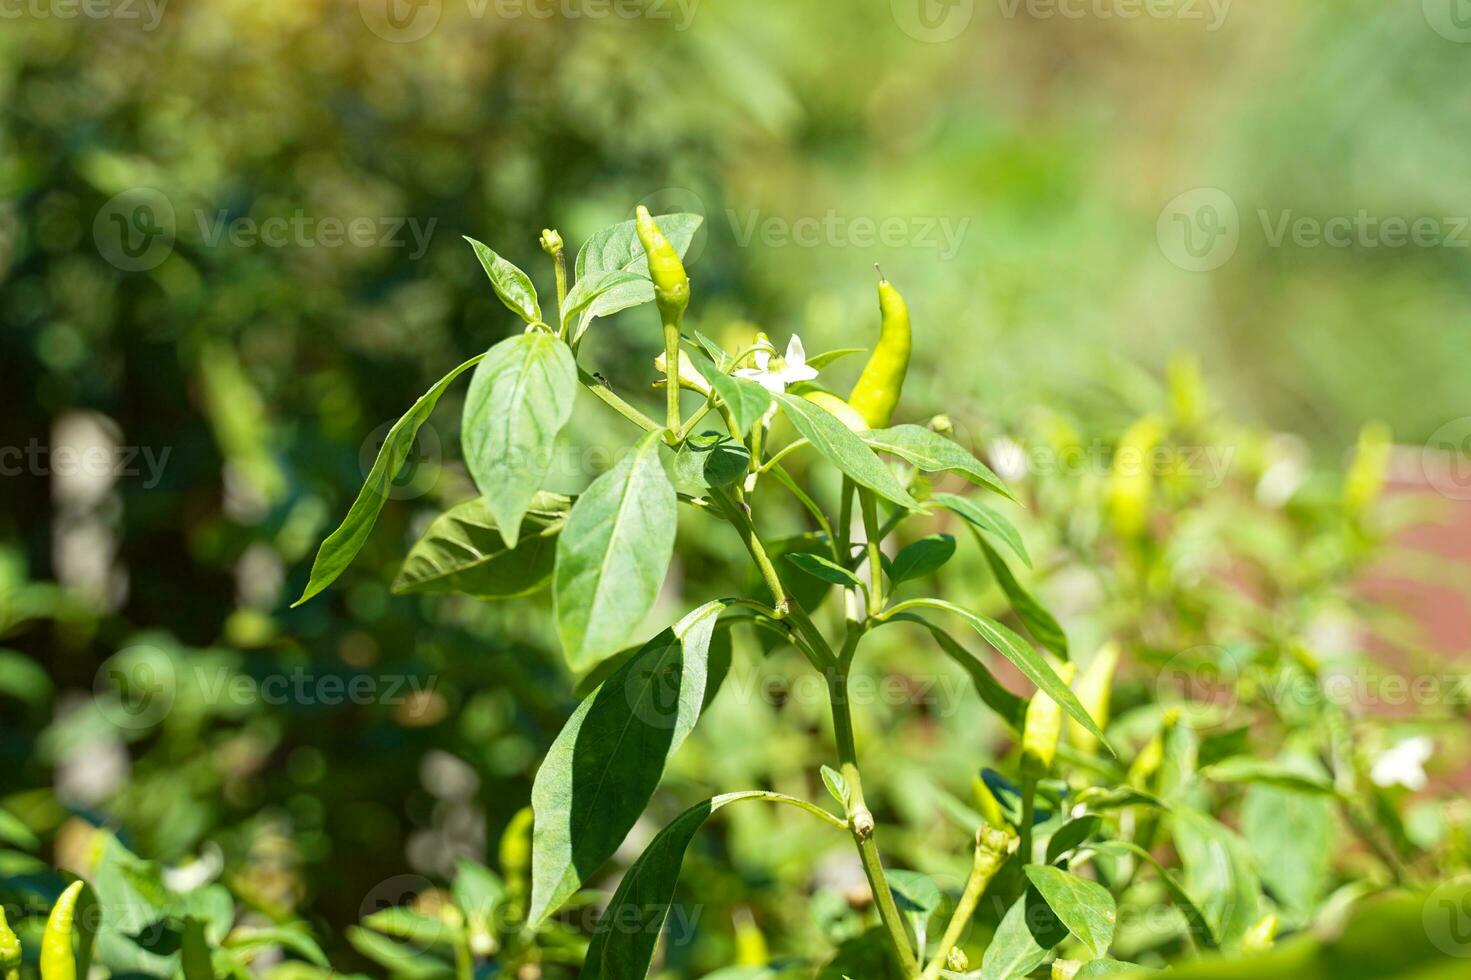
(551,242)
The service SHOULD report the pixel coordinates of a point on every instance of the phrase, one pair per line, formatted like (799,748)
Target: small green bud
(551,242)
(957,960)
(942,425)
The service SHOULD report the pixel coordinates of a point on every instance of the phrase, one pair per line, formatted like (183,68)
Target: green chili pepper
(877,391)
(58,961)
(671,283)
(1043,726)
(844,412)
(1094,687)
(9,950)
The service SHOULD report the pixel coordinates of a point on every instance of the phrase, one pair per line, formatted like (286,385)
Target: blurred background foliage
(1027,161)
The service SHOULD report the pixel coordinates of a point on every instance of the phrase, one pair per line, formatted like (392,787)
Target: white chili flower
(1404,765)
(776,373)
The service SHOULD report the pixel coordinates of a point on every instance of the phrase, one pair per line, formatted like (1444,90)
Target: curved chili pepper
(877,392)
(58,961)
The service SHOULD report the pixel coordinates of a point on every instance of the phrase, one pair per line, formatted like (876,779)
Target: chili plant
(605,555)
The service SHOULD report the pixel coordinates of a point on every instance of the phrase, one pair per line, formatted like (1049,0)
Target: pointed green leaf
(1026,933)
(823,569)
(933,453)
(1220,873)
(1085,907)
(511,284)
(605,765)
(343,544)
(612,555)
(1200,928)
(819,361)
(626,934)
(1039,622)
(995,695)
(986,519)
(708,460)
(463,552)
(924,557)
(1028,661)
(836,785)
(746,400)
(845,450)
(1071,834)
(520,398)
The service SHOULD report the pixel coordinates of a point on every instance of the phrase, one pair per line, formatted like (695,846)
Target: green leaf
(478,892)
(194,958)
(400,961)
(746,400)
(1026,933)
(626,934)
(1220,873)
(605,765)
(343,544)
(618,250)
(836,785)
(593,292)
(1200,928)
(994,694)
(612,555)
(845,449)
(1293,836)
(917,897)
(511,284)
(933,453)
(1264,772)
(1085,907)
(1071,834)
(985,519)
(463,552)
(520,398)
(923,557)
(1104,969)
(416,928)
(1039,622)
(706,461)
(14,832)
(1029,662)
(819,361)
(294,939)
(823,569)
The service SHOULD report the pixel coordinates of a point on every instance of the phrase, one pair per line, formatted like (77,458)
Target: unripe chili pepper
(9,950)
(877,392)
(1131,481)
(844,412)
(1365,481)
(1094,688)
(58,961)
(671,283)
(1043,726)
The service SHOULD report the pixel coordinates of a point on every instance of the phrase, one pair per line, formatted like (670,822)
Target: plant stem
(464,961)
(735,512)
(1029,809)
(860,819)
(990,856)
(869,502)
(694,420)
(618,405)
(782,454)
(671,362)
(785,479)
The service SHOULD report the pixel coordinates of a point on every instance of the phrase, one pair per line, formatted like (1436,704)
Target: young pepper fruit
(671,282)
(1042,728)
(877,392)
(9,950)
(58,961)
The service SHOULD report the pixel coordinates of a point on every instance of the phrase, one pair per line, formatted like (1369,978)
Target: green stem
(560,261)
(671,361)
(464,962)
(618,405)
(735,512)
(782,454)
(1029,810)
(781,476)
(990,856)
(694,420)
(860,819)
(869,502)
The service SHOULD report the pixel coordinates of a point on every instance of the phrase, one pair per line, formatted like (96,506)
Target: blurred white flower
(775,373)
(1404,765)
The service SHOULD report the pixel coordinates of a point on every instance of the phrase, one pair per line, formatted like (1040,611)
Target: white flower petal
(1404,764)
(763,359)
(796,353)
(798,372)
